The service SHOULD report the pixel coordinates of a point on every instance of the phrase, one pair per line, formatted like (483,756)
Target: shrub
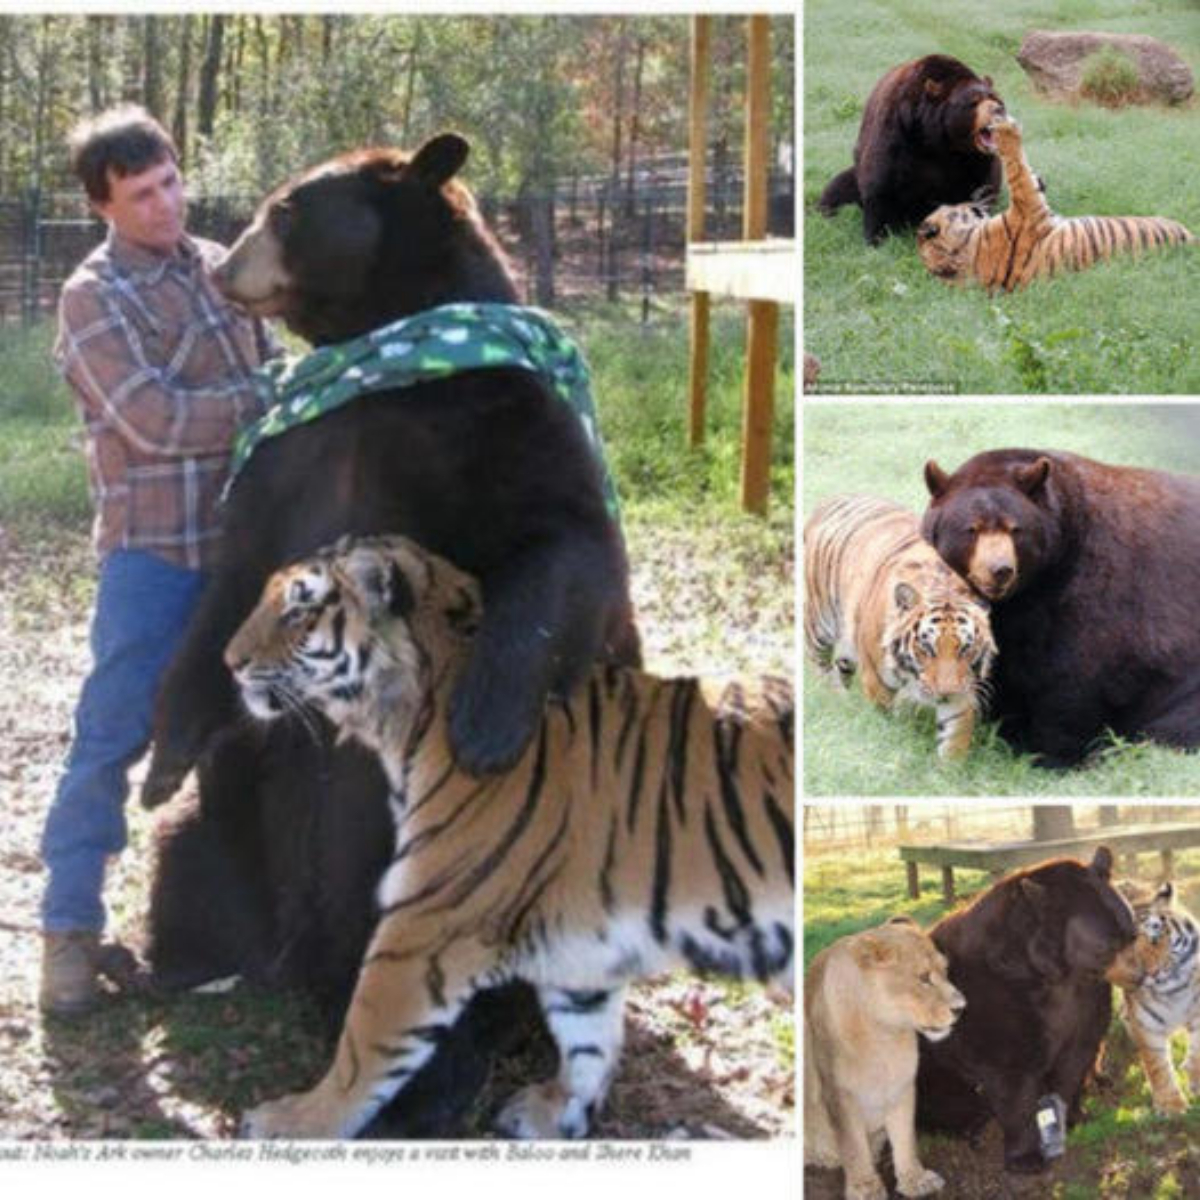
(1110,78)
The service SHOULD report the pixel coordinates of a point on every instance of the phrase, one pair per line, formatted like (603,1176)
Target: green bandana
(430,345)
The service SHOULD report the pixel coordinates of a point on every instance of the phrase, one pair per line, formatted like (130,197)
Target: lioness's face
(906,979)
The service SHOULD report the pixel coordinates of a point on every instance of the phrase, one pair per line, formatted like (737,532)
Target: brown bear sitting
(923,142)
(273,875)
(1029,955)
(1093,573)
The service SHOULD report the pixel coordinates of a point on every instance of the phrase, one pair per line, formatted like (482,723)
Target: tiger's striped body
(881,603)
(649,825)
(1167,997)
(959,242)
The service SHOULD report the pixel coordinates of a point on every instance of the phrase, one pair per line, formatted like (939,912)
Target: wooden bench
(998,858)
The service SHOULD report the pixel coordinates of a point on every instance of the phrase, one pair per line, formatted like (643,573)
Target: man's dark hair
(126,139)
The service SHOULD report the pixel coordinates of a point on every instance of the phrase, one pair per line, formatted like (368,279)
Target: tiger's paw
(300,1115)
(543,1110)
(1005,131)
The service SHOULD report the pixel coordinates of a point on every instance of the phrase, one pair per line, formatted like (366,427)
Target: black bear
(273,873)
(1093,572)
(1029,956)
(923,142)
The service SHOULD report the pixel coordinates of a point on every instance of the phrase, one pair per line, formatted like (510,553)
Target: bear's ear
(1102,863)
(933,89)
(1034,892)
(440,158)
(936,480)
(1031,478)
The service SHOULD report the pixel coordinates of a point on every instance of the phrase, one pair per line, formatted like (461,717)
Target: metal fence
(841,828)
(593,238)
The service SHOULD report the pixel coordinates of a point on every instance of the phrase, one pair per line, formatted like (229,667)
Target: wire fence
(592,238)
(835,829)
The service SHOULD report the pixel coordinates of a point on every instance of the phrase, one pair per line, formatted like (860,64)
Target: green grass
(852,748)
(879,323)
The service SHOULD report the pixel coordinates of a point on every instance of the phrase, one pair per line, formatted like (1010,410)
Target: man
(161,369)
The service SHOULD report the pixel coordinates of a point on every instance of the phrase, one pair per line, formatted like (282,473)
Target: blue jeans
(143,605)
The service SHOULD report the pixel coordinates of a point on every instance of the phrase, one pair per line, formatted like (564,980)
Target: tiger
(960,242)
(650,824)
(1159,975)
(880,603)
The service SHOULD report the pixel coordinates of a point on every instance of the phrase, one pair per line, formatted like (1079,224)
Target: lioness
(866,998)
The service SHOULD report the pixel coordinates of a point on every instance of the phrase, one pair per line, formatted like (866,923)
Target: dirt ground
(701,1059)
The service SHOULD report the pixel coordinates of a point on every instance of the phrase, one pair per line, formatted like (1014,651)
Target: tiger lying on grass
(1160,978)
(960,242)
(649,825)
(881,603)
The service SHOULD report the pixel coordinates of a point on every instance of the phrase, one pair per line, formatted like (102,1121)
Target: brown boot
(69,961)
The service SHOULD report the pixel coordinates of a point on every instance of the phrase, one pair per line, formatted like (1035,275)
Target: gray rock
(1054,61)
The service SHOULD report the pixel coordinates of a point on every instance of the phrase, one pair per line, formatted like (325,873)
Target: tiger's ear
(378,581)
(936,480)
(1031,478)
(1166,893)
(1102,863)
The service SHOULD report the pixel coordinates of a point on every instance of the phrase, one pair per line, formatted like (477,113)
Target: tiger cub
(960,242)
(648,825)
(1159,975)
(881,603)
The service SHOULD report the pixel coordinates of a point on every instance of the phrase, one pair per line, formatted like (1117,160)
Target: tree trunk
(1052,822)
(543,242)
(618,117)
(210,70)
(152,92)
(179,126)
(410,83)
(97,88)
(635,125)
(326,39)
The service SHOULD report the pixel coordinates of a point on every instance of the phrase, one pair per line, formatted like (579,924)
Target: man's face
(148,208)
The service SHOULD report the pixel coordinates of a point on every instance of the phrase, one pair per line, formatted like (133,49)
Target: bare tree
(152,89)
(210,69)
(179,125)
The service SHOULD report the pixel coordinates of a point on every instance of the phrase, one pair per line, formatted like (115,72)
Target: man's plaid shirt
(161,367)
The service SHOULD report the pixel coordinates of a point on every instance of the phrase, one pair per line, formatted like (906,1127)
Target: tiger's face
(371,616)
(307,642)
(941,647)
(944,240)
(1164,934)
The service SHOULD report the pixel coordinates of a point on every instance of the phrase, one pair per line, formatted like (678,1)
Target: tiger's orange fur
(959,242)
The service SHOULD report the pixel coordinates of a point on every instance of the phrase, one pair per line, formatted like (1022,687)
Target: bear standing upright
(923,142)
(274,875)
(1093,572)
